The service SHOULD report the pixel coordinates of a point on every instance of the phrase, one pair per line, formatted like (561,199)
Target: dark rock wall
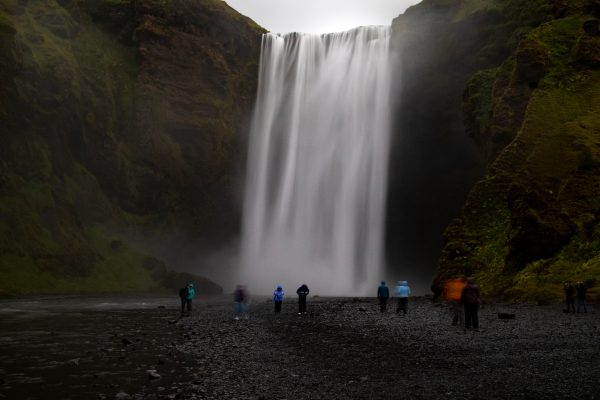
(525,75)
(120,121)
(439,45)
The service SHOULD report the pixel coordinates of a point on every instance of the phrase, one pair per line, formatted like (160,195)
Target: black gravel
(344,348)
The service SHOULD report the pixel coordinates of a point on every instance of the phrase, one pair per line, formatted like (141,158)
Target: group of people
(581,289)
(402,291)
(462,294)
(241,300)
(186,295)
(302,292)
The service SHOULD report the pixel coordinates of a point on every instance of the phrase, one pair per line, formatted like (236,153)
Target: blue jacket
(402,290)
(278,294)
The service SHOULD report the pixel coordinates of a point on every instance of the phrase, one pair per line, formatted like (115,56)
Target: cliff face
(117,118)
(532,109)
(440,45)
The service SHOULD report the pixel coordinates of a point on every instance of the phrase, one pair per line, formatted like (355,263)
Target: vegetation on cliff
(533,222)
(120,123)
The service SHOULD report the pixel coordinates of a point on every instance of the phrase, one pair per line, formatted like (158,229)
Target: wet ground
(103,348)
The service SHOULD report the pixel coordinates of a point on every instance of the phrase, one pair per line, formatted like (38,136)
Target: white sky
(320,16)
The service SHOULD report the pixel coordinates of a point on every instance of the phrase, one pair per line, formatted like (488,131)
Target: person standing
(570,297)
(452,293)
(190,297)
(240,297)
(278,296)
(183,295)
(186,294)
(581,289)
(471,299)
(302,294)
(402,292)
(383,294)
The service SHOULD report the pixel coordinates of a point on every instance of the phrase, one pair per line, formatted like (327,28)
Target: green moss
(479,99)
(545,180)
(93,137)
(121,269)
(6,23)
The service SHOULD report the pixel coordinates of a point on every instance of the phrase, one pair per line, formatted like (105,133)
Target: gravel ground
(343,348)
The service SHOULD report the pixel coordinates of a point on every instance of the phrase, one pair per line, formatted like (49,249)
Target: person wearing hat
(581,289)
(278,295)
(302,293)
(383,294)
(187,294)
(471,299)
(402,293)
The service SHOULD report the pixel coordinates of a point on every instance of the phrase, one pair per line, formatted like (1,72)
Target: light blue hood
(402,290)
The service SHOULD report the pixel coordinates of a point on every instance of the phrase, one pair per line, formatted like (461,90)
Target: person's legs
(454,310)
(383,305)
(238,309)
(404,304)
(183,306)
(581,303)
(189,306)
(278,306)
(467,317)
(475,316)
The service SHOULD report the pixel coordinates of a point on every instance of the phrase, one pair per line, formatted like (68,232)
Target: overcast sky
(320,16)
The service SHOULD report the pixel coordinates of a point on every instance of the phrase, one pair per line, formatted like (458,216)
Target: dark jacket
(239,296)
(581,289)
(470,294)
(303,291)
(570,292)
(183,293)
(383,292)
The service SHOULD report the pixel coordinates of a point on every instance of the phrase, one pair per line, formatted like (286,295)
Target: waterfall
(317,163)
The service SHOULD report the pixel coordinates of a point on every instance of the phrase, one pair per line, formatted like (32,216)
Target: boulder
(152,374)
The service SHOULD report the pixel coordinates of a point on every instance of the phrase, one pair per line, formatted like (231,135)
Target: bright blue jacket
(278,294)
(402,290)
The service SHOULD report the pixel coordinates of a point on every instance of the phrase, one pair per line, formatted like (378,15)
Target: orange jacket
(453,289)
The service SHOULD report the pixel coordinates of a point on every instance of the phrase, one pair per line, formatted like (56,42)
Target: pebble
(152,374)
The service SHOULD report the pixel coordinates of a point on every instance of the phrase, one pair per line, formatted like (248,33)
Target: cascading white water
(317,167)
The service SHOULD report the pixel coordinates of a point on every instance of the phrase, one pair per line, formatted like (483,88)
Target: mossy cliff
(532,106)
(120,122)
